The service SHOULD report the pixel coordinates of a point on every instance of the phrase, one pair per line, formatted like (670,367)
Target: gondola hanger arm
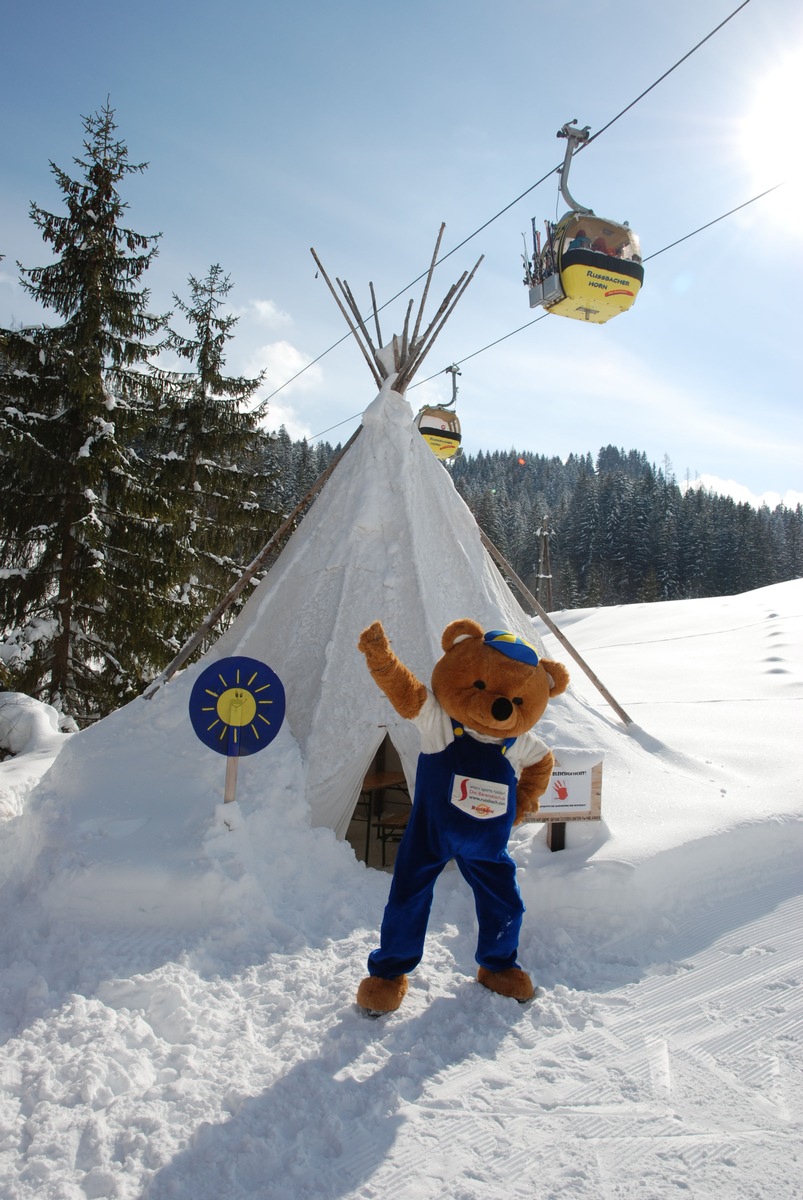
(454,371)
(574,137)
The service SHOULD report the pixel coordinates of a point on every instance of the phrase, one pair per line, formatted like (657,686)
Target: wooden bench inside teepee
(382,810)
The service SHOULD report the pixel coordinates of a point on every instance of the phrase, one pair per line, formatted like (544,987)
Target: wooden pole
(405,333)
(556,835)
(419,344)
(425,292)
(445,311)
(352,303)
(230,783)
(410,352)
(376,315)
(192,643)
(553,628)
(365,354)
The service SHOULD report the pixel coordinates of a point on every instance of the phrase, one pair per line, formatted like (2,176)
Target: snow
(30,731)
(177,977)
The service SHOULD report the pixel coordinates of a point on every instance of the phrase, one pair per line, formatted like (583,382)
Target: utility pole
(544,568)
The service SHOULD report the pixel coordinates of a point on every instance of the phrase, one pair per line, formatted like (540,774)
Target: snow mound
(31,734)
(27,725)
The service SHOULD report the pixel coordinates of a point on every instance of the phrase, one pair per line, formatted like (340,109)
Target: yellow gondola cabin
(440,429)
(588,268)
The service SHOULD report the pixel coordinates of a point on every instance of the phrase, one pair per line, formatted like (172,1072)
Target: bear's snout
(501,708)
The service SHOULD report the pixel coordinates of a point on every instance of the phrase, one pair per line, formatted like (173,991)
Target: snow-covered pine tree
(209,461)
(83,544)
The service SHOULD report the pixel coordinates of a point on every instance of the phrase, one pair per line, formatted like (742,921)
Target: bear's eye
(479,684)
(517,700)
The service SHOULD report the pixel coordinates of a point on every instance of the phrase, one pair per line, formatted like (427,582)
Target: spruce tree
(280,459)
(209,460)
(79,519)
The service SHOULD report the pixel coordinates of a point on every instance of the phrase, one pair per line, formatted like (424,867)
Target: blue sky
(357,127)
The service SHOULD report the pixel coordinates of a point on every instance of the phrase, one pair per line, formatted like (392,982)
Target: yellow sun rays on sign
(237,706)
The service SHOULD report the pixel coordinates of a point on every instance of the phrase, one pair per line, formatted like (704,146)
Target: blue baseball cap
(511,645)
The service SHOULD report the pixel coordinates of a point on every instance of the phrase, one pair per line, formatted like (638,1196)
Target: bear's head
(494,683)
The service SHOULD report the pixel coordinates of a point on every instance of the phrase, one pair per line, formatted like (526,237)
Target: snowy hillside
(176,999)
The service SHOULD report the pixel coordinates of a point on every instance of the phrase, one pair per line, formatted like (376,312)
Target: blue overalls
(438,831)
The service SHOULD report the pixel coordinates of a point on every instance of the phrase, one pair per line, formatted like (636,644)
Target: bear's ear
(457,630)
(558,675)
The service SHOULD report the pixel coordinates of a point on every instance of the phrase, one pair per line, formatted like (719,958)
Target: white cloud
(433,392)
(742,494)
(265,312)
(284,414)
(282,362)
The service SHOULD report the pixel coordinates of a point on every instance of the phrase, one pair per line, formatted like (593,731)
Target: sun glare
(769,136)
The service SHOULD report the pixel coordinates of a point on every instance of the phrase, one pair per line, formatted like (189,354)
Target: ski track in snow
(216,1075)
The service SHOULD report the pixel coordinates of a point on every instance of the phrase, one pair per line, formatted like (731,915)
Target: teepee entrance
(382,809)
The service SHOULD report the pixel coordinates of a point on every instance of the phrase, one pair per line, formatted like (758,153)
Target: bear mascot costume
(481,770)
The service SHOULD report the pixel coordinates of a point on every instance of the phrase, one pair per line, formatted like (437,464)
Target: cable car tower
(439,425)
(587,268)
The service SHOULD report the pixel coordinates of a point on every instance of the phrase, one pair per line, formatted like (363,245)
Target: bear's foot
(511,982)
(381,995)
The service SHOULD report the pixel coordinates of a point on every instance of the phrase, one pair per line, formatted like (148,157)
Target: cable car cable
(655,254)
(507,207)
(715,220)
(543,316)
(661,78)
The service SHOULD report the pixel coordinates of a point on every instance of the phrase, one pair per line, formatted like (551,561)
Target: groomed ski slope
(202,1041)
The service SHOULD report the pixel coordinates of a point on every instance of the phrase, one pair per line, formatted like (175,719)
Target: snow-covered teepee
(388,538)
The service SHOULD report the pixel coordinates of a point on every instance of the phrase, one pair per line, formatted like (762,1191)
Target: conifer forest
(132,497)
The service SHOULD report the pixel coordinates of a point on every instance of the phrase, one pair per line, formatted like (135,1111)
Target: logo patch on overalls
(480,798)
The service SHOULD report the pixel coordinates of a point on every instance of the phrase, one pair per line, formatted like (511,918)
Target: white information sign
(569,792)
(575,789)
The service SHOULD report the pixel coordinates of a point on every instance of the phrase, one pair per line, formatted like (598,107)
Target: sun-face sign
(237,706)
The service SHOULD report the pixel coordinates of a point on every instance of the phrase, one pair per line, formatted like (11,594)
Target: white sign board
(575,789)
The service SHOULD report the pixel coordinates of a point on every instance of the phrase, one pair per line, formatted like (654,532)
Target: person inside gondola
(599,246)
(580,241)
